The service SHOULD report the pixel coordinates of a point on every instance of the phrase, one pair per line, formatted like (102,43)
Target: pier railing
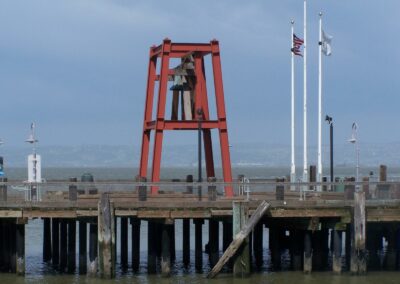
(195,191)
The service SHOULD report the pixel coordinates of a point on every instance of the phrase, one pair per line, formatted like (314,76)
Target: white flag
(326,44)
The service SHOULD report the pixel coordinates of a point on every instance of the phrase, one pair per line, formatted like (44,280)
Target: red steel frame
(165,51)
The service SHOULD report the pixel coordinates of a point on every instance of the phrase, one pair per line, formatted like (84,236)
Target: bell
(180,84)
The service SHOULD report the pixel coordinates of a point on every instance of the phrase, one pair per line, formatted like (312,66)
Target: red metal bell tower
(191,74)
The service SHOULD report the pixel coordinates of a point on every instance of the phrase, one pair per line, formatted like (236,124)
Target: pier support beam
(93,252)
(213,241)
(166,234)
(124,243)
(308,252)
(390,262)
(198,239)
(55,241)
(374,247)
(151,247)
(46,239)
(358,252)
(20,246)
(135,244)
(106,238)
(186,241)
(241,266)
(275,247)
(258,244)
(337,251)
(63,245)
(296,249)
(82,247)
(71,246)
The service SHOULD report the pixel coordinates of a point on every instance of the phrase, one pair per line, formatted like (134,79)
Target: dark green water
(39,272)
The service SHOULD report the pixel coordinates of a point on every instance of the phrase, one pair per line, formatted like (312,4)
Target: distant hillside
(255,154)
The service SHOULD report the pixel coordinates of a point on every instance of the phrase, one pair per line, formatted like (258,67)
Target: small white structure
(34,168)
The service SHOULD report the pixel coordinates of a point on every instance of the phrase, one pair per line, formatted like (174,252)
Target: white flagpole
(305,165)
(292,166)
(319,170)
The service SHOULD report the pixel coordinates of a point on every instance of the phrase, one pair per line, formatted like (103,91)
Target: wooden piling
(63,245)
(71,254)
(186,241)
(213,241)
(374,247)
(55,241)
(198,258)
(358,252)
(93,249)
(348,246)
(82,247)
(20,246)
(296,249)
(390,261)
(241,265)
(73,189)
(124,242)
(166,249)
(151,247)
(171,228)
(46,239)
(12,244)
(337,251)
(135,222)
(106,237)
(258,245)
(275,247)
(308,252)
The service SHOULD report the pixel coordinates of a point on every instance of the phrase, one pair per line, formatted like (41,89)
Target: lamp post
(354,141)
(330,122)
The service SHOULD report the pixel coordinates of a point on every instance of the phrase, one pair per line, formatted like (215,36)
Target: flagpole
(305,165)
(292,166)
(319,170)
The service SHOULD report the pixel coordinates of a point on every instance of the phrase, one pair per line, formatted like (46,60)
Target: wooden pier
(312,226)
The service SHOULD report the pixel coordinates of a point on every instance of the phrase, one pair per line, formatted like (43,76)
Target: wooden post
(212,189)
(186,241)
(337,251)
(358,253)
(124,243)
(348,246)
(166,249)
(82,247)
(280,190)
(12,233)
(93,249)
(258,244)
(308,252)
(20,247)
(142,189)
(73,189)
(296,241)
(151,247)
(63,244)
(213,241)
(171,228)
(55,241)
(241,266)
(135,244)
(198,259)
(391,253)
(3,189)
(106,237)
(275,247)
(71,245)
(46,240)
(374,246)
(382,173)
(189,188)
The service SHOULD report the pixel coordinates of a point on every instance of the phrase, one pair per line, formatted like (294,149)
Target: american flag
(297,43)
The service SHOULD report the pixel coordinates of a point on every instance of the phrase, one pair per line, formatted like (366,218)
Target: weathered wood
(390,259)
(186,241)
(241,235)
(242,260)
(73,189)
(71,246)
(187,106)
(93,249)
(337,251)
(358,252)
(275,246)
(63,245)
(55,241)
(213,241)
(166,250)
(296,249)
(106,238)
(135,243)
(82,247)
(124,242)
(308,252)
(151,247)
(198,240)
(20,249)
(258,244)
(46,239)
(175,104)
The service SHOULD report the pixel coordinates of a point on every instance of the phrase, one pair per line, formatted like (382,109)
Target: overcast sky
(78,68)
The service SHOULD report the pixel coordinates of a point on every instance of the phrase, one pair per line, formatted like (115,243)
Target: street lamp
(330,122)
(354,141)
